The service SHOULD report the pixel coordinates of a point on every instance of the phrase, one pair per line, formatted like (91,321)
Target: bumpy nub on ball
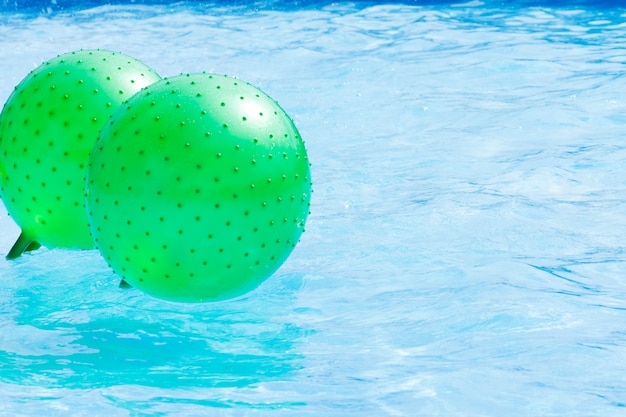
(198,188)
(48,128)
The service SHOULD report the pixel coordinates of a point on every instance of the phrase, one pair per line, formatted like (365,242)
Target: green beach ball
(48,128)
(198,189)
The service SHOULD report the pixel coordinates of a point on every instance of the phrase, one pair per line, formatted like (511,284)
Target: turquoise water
(464,256)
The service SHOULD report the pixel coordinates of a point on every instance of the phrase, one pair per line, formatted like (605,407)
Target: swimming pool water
(464,255)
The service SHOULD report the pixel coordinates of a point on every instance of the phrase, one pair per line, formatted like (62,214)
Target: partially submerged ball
(48,128)
(198,188)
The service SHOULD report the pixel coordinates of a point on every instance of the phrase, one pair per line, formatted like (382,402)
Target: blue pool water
(465,251)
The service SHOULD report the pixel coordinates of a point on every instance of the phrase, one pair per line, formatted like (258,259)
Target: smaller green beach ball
(48,128)
(198,188)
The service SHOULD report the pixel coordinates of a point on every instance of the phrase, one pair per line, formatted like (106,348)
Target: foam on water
(464,255)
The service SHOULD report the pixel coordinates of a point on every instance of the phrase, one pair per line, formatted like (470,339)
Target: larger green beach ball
(48,128)
(198,189)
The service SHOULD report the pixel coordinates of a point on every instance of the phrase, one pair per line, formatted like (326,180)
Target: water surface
(464,255)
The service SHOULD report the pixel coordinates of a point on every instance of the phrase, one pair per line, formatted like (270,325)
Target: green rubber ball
(198,189)
(48,128)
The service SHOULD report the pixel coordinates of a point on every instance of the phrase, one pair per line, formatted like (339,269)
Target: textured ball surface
(48,128)
(198,189)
